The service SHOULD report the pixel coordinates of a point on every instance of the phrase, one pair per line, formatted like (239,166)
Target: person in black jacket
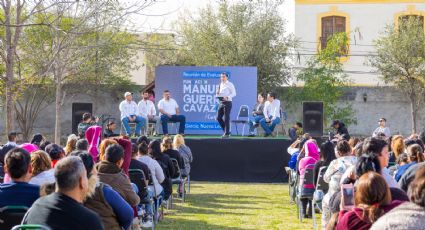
(327,154)
(166,165)
(167,148)
(257,114)
(341,130)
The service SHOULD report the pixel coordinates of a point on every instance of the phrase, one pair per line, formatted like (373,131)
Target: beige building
(363,20)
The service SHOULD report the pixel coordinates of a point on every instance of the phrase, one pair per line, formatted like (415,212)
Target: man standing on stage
(226,91)
(170,111)
(129,113)
(271,114)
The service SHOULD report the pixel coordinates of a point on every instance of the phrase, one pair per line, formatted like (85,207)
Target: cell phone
(347,191)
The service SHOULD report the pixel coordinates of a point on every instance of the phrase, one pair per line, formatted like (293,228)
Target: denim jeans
(181,119)
(140,121)
(255,119)
(148,207)
(273,123)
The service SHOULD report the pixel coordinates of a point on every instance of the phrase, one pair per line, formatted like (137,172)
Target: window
(404,18)
(331,25)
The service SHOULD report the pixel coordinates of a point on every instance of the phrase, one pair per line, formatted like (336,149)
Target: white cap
(127,93)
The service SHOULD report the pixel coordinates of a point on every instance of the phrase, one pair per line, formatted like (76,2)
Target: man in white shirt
(169,111)
(129,113)
(147,110)
(382,128)
(271,114)
(225,93)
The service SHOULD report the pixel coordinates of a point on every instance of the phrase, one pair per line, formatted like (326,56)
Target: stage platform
(238,159)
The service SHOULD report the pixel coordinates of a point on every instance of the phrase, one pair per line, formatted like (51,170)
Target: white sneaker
(136,223)
(147,224)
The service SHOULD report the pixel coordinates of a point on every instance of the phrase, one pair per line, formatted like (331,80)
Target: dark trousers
(174,118)
(224,110)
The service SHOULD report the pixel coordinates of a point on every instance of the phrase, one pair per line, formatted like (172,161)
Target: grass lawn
(234,206)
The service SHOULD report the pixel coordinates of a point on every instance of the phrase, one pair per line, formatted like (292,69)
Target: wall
(45,123)
(366,23)
(381,102)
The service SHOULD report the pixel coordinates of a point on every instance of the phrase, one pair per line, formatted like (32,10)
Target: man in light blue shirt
(271,114)
(129,113)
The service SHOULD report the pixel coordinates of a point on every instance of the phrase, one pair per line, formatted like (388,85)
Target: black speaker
(313,118)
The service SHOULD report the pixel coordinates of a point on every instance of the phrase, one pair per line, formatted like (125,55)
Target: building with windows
(362,20)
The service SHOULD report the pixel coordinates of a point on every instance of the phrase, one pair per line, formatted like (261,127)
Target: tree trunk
(413,112)
(9,96)
(58,105)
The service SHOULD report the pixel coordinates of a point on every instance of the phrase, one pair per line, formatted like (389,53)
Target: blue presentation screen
(194,88)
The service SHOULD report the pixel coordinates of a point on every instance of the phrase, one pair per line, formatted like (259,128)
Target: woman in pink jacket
(311,157)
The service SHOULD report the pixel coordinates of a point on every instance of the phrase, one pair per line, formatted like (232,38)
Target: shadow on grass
(221,201)
(184,224)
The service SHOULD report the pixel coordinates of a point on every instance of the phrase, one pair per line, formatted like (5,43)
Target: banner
(194,89)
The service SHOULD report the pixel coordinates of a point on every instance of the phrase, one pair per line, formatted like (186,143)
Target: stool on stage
(132,128)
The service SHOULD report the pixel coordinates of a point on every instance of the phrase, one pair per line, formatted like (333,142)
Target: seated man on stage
(257,115)
(169,110)
(147,110)
(129,113)
(271,114)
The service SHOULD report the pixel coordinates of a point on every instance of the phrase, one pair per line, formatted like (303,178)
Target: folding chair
(139,179)
(11,216)
(132,128)
(282,124)
(308,179)
(292,183)
(30,227)
(242,118)
(1,173)
(180,181)
(321,189)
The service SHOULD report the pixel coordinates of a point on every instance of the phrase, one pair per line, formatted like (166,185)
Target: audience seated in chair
(18,192)
(42,171)
(372,198)
(409,215)
(185,153)
(167,148)
(311,157)
(11,143)
(63,209)
(115,212)
(166,165)
(110,172)
(157,176)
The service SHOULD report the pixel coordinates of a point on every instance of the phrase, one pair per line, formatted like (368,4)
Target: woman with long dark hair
(166,165)
(372,199)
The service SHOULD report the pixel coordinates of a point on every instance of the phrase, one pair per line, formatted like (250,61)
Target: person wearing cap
(341,130)
(382,128)
(169,110)
(129,113)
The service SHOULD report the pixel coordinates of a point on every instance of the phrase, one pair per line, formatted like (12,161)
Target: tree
(324,80)
(400,60)
(80,50)
(244,34)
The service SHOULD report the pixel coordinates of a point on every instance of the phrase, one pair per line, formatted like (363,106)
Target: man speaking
(226,91)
